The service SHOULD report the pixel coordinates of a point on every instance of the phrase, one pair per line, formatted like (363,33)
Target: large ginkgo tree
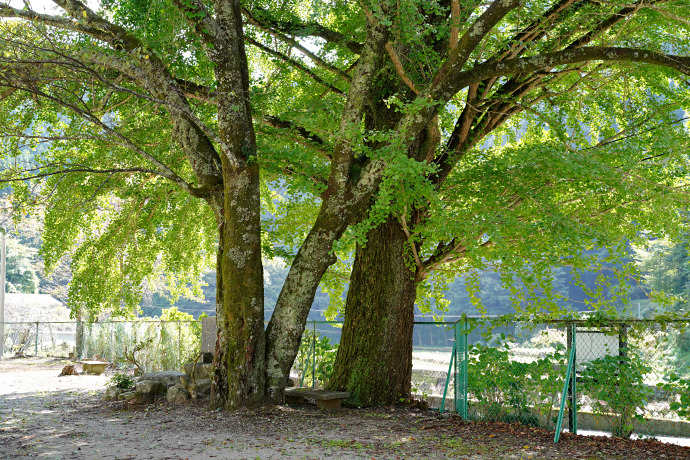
(164,116)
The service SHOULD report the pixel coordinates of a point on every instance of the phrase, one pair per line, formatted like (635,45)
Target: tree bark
(240,345)
(374,360)
(284,332)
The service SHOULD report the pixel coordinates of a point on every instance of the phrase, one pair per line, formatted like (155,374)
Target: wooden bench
(325,399)
(93,367)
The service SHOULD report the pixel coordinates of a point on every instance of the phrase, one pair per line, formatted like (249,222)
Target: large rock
(202,388)
(177,394)
(151,387)
(112,393)
(167,378)
(126,396)
(199,372)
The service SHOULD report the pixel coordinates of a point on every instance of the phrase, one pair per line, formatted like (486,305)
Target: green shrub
(121,381)
(498,385)
(616,384)
(680,387)
(320,350)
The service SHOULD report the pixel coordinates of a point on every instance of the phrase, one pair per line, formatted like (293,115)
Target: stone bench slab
(325,399)
(94,367)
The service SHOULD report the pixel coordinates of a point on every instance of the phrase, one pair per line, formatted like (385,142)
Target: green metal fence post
(456,368)
(313,358)
(573,384)
(450,370)
(36,341)
(566,384)
(460,355)
(463,367)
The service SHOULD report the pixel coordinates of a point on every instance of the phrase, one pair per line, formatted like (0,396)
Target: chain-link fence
(627,376)
(38,338)
(150,345)
(509,371)
(633,377)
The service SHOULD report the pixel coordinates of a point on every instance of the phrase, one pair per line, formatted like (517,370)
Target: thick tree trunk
(284,332)
(349,189)
(240,345)
(374,361)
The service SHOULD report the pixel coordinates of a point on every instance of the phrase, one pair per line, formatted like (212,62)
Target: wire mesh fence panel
(432,348)
(149,345)
(515,372)
(314,363)
(633,378)
(56,339)
(38,339)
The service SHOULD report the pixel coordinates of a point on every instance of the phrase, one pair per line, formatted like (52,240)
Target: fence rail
(628,376)
(150,344)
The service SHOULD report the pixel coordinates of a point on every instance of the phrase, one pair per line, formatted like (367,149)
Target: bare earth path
(42,415)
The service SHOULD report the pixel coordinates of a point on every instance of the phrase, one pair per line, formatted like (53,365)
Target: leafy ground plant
(316,349)
(615,383)
(509,390)
(680,387)
(121,380)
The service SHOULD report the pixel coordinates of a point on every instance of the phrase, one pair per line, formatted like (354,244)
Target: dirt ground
(43,415)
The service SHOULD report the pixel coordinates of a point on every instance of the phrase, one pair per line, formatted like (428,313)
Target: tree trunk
(79,338)
(240,345)
(284,332)
(374,361)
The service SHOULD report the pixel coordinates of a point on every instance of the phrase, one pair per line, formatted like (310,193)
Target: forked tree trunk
(240,345)
(374,361)
(284,332)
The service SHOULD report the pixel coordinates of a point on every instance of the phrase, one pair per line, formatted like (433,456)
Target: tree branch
(493,68)
(457,57)
(454,24)
(302,29)
(399,69)
(150,73)
(298,65)
(164,171)
(76,170)
(295,44)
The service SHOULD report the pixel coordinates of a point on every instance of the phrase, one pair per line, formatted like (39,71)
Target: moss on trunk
(240,346)
(374,361)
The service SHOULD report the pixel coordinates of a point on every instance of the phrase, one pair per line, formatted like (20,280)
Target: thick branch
(279,123)
(457,56)
(302,29)
(509,67)
(399,69)
(298,65)
(295,44)
(353,112)
(78,170)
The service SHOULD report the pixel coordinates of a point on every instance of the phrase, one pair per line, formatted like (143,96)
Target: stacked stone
(177,387)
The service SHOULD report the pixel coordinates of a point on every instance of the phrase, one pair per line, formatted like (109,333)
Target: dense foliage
(512,134)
